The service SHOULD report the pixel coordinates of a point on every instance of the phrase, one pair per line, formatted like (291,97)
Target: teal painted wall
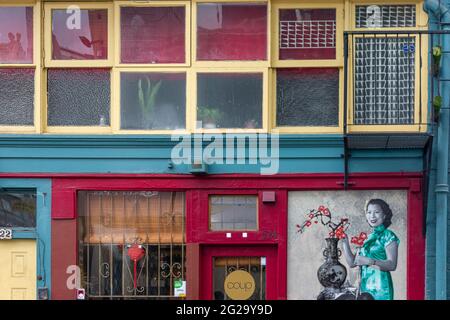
(147,154)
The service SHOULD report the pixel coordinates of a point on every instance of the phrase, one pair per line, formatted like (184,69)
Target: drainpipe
(442,12)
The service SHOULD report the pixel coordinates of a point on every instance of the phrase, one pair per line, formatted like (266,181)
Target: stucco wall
(305,249)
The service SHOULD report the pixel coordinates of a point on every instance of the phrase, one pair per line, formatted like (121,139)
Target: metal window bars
(107,265)
(307,34)
(389,16)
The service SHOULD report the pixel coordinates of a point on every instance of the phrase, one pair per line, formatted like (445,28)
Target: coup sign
(239,285)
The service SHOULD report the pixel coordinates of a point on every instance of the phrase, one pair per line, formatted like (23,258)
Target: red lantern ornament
(136,253)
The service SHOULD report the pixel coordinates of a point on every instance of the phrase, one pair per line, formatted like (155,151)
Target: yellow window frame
(308,129)
(50,63)
(421,15)
(265,100)
(84,64)
(115,115)
(337,62)
(150,4)
(36,65)
(420,118)
(228,63)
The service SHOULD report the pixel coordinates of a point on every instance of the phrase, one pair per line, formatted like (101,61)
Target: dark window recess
(79,97)
(307,97)
(17,97)
(229,100)
(18,208)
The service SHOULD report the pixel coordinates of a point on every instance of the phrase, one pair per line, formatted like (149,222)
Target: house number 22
(5,234)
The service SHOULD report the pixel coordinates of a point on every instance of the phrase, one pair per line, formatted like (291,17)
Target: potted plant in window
(209,117)
(147,97)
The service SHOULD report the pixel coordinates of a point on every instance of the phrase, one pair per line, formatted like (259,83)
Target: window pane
(85,38)
(385,16)
(384,80)
(16,35)
(307,97)
(233,212)
(229,100)
(152,101)
(117,228)
(231,31)
(17,97)
(307,34)
(18,208)
(78,97)
(140,42)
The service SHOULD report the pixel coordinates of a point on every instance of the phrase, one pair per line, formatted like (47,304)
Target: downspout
(442,12)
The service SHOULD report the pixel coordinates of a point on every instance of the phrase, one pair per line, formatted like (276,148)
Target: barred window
(131,244)
(384,80)
(385,16)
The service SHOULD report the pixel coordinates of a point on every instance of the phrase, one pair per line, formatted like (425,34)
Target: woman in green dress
(378,256)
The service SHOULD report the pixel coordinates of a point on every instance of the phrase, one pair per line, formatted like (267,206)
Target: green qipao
(374,281)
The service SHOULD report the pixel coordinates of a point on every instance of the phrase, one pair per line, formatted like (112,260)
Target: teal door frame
(42,232)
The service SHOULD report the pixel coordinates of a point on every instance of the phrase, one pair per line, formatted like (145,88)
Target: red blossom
(322,208)
(308,223)
(363,235)
(311,215)
(326,212)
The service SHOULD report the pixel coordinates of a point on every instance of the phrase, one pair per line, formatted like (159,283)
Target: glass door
(250,285)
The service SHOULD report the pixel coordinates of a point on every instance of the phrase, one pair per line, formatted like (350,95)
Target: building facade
(147,144)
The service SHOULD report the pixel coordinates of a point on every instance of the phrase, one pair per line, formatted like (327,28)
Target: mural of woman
(379,253)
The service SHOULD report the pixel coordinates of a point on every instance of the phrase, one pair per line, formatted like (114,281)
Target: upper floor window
(385,16)
(307,34)
(387,76)
(154,33)
(231,31)
(16,35)
(19,81)
(79,36)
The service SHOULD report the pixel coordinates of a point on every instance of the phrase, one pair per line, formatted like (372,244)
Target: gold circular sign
(239,285)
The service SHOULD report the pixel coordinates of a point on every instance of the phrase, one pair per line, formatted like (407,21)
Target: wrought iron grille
(132,244)
(384,79)
(307,34)
(385,16)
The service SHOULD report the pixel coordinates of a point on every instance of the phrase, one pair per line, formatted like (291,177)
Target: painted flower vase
(332,273)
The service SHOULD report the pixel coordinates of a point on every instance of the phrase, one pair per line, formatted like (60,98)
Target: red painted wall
(64,254)
(273,216)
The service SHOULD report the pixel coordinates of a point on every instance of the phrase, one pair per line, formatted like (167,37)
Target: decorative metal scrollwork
(104,270)
(173,270)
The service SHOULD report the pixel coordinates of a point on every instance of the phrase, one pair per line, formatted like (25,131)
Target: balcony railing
(386,81)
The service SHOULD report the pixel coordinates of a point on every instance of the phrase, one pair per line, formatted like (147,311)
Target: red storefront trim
(273,216)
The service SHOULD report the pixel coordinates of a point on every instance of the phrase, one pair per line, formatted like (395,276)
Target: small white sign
(244,234)
(180,289)
(228,235)
(81,294)
(263,261)
(5,234)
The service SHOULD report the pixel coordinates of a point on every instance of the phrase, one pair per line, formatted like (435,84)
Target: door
(239,273)
(17,270)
